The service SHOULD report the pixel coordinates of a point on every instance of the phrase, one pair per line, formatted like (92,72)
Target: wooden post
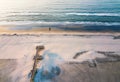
(38,49)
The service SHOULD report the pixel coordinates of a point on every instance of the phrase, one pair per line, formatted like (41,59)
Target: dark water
(77,15)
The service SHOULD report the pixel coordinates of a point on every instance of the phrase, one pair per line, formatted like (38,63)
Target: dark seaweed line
(78,54)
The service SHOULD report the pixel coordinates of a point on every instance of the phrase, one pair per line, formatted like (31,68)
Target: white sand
(22,48)
(90,55)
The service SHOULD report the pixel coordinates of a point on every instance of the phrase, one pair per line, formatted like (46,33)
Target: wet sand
(48,30)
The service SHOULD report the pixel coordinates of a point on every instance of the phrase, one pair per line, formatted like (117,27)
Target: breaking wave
(43,23)
(59,14)
(94,14)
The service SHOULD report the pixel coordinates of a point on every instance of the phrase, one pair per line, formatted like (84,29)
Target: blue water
(88,15)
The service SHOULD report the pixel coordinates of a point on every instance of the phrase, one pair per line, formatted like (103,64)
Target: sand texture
(85,58)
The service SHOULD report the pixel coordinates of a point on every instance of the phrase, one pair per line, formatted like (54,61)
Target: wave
(21,14)
(65,23)
(25,13)
(59,14)
(94,14)
(32,14)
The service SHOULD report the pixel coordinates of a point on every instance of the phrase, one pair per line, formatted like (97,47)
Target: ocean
(75,15)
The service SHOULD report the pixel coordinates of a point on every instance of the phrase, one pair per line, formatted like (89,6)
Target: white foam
(94,14)
(58,23)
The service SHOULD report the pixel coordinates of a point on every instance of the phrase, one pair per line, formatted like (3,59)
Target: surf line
(37,58)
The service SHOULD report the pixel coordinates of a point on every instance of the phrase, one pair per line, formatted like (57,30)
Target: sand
(7,66)
(21,47)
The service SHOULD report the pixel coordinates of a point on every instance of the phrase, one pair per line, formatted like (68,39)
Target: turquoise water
(77,14)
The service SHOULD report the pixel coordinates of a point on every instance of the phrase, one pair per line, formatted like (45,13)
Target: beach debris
(116,37)
(110,56)
(105,53)
(92,63)
(78,54)
(15,34)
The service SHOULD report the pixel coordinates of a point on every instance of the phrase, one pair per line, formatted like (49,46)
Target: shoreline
(57,32)
(48,30)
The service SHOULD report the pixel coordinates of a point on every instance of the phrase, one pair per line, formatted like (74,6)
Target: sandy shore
(71,47)
(8,30)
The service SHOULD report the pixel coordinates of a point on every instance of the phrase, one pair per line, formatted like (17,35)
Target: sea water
(76,15)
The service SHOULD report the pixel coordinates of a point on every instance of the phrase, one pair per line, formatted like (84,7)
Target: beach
(59,40)
(75,49)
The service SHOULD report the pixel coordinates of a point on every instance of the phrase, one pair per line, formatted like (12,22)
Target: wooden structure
(37,58)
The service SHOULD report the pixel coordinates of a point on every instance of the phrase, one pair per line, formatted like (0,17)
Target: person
(49,29)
